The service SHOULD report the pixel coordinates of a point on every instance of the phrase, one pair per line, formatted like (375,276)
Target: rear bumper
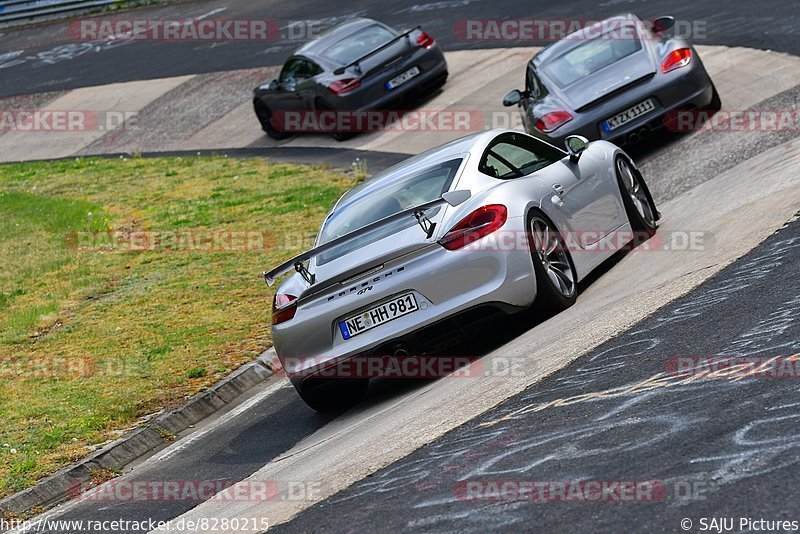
(445,283)
(690,89)
(373,95)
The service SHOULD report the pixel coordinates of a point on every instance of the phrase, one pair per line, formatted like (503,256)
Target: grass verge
(128,285)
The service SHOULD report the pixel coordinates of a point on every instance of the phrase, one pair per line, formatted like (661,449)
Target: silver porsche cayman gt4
(488,224)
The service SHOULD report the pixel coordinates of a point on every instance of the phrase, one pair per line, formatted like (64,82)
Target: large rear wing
(384,46)
(298,263)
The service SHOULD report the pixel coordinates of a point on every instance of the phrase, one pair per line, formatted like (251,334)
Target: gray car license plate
(402,78)
(378,315)
(629,114)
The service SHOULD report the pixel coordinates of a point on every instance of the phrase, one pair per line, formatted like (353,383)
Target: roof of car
(575,39)
(315,48)
(447,151)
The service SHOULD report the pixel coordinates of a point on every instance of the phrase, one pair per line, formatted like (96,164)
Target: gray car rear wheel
(337,136)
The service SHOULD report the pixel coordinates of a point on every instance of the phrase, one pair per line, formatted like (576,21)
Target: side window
(290,69)
(533,84)
(515,155)
(299,69)
(313,69)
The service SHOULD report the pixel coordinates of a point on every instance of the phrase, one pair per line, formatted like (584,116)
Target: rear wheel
(716,101)
(265,118)
(556,284)
(338,136)
(325,395)
(638,203)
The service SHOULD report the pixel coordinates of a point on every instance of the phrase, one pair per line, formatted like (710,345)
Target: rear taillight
(481,222)
(424,40)
(676,59)
(553,120)
(345,85)
(283,308)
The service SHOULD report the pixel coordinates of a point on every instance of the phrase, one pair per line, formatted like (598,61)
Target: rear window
(358,44)
(383,200)
(591,56)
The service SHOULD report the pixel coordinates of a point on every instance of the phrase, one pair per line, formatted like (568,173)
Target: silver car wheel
(553,257)
(636,192)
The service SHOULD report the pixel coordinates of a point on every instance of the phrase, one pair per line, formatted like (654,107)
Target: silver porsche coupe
(492,223)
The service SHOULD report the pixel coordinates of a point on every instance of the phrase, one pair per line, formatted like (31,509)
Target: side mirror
(454,198)
(273,85)
(575,144)
(663,24)
(512,98)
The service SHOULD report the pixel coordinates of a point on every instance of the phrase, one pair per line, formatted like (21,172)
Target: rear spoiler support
(298,263)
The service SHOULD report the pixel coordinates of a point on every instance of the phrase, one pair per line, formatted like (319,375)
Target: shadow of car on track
(493,335)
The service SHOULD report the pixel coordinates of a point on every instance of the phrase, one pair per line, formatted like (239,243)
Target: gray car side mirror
(512,98)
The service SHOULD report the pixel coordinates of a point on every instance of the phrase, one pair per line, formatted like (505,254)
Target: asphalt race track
(594,395)
(721,447)
(46,59)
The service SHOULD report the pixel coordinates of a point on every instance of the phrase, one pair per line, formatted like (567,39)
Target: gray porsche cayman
(358,66)
(616,80)
(488,224)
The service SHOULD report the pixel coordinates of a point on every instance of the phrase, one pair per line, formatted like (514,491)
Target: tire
(716,101)
(337,136)
(556,282)
(264,117)
(328,395)
(639,206)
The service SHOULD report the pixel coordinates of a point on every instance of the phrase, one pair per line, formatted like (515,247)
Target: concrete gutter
(115,456)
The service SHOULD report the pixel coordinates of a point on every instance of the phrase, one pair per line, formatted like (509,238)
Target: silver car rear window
(392,197)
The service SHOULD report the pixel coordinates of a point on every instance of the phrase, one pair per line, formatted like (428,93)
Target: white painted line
(194,437)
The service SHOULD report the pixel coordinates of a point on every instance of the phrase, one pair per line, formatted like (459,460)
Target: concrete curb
(57,487)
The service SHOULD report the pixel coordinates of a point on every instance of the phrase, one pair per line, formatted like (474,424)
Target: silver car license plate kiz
(628,115)
(378,315)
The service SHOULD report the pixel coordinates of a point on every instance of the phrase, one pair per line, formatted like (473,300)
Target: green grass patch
(95,335)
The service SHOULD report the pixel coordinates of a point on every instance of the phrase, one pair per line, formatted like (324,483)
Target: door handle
(559,189)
